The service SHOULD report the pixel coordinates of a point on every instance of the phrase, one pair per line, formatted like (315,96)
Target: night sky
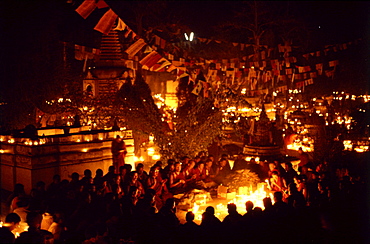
(329,21)
(25,25)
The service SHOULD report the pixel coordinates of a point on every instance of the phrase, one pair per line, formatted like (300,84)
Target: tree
(186,131)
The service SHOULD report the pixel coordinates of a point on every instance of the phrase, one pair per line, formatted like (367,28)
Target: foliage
(243,177)
(186,131)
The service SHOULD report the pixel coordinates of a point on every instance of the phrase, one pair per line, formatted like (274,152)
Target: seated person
(177,180)
(143,175)
(240,163)
(156,183)
(222,171)
(133,182)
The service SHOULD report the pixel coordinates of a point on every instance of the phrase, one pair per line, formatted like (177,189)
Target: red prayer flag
(106,22)
(101,4)
(86,8)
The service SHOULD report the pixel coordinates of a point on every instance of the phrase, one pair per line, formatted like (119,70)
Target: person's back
(233,218)
(34,234)
(210,226)
(188,232)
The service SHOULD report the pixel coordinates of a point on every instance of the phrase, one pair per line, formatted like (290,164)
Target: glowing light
(191,37)
(347,145)
(239,198)
(156,157)
(151,151)
(84,150)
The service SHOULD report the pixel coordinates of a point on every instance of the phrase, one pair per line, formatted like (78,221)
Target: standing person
(277,183)
(303,158)
(118,152)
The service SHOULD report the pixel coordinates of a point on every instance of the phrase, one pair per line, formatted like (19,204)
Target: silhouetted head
(87,173)
(267,203)
(189,216)
(210,210)
(249,206)
(278,196)
(231,208)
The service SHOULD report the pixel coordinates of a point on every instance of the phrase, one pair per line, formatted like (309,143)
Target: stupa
(262,142)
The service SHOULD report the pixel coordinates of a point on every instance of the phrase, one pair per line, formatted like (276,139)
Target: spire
(110,47)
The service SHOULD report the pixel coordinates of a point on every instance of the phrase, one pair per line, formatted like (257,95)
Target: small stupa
(261,139)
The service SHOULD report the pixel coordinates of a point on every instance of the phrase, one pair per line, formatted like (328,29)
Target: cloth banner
(82,52)
(319,68)
(86,8)
(135,48)
(101,4)
(197,88)
(106,23)
(121,26)
(150,60)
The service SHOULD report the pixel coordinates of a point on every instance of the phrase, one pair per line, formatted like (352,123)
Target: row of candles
(244,194)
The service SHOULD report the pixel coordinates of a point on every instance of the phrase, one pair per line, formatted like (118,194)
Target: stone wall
(28,164)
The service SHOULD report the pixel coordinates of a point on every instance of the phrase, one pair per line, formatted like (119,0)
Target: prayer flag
(151,59)
(121,25)
(333,63)
(86,8)
(106,22)
(197,88)
(135,48)
(206,87)
(171,68)
(101,4)
(319,68)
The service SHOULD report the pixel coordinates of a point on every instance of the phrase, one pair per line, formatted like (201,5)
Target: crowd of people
(319,203)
